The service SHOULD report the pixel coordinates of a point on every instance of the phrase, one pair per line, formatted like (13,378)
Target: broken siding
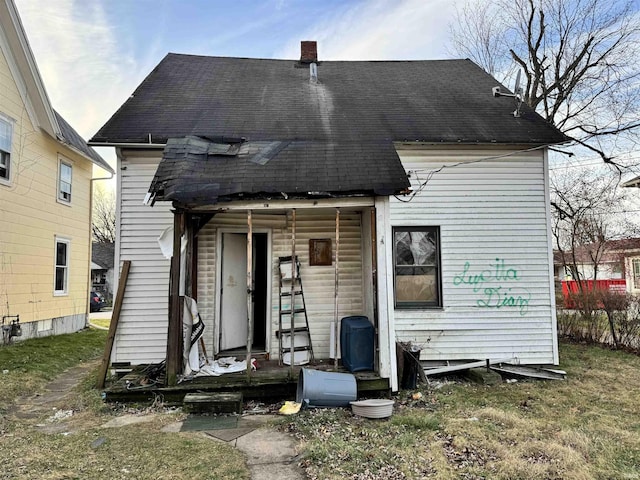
(142,331)
(318,281)
(493,225)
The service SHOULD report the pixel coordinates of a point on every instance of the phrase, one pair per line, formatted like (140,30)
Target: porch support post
(374,265)
(292,296)
(174,330)
(249,290)
(336,284)
(374,280)
(386,321)
(189,271)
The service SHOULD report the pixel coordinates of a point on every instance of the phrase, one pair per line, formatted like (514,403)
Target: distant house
(620,261)
(45,190)
(408,192)
(102,276)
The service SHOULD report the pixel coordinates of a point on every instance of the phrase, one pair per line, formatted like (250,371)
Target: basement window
(416,262)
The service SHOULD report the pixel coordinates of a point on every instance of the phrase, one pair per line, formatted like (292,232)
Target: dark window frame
(437,266)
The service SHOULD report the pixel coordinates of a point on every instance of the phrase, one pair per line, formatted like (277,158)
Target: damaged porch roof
(198,171)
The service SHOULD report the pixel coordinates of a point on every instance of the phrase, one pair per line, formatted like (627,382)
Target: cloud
(380,30)
(85,69)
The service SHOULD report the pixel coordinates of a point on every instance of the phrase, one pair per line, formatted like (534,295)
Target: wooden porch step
(213,402)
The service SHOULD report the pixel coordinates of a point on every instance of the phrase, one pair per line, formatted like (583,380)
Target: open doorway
(233,293)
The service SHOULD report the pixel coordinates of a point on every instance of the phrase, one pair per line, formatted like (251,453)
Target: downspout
(90,249)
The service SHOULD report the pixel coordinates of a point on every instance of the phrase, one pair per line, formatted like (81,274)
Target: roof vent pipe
(313,73)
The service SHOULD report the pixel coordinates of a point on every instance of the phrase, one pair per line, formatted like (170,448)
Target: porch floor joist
(270,382)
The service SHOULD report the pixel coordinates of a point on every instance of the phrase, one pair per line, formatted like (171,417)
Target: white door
(233,303)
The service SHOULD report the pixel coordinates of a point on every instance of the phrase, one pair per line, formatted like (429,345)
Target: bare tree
(585,219)
(579,59)
(103,224)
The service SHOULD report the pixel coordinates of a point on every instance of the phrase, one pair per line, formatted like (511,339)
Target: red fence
(571,286)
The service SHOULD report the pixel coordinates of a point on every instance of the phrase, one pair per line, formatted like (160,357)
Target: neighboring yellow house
(45,198)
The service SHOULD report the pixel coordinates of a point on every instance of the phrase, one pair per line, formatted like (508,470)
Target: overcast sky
(93,54)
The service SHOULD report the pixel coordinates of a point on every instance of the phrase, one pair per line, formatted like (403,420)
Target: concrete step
(214,402)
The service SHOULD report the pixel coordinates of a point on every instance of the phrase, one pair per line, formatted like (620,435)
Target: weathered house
(102,271)
(45,198)
(408,192)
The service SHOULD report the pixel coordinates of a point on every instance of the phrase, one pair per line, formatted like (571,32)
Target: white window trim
(632,263)
(11,122)
(65,292)
(64,161)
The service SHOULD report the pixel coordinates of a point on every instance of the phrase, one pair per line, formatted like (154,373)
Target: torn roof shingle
(192,173)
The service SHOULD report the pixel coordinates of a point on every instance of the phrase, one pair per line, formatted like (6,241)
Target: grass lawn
(585,427)
(83,449)
(101,322)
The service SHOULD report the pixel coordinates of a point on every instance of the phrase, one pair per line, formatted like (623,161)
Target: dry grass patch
(587,427)
(101,322)
(78,447)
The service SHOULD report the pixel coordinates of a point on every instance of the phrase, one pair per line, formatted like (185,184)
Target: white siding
(318,281)
(142,331)
(490,211)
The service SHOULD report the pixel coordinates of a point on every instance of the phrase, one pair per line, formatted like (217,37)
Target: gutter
(106,166)
(126,145)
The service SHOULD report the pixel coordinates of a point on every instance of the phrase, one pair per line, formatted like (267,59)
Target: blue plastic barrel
(325,389)
(357,337)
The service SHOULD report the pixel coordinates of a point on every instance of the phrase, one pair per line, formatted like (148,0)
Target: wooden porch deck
(270,382)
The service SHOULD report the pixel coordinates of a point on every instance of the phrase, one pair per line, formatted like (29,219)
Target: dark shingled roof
(337,133)
(103,254)
(72,138)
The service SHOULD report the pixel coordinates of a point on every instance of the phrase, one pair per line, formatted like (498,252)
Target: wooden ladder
(291,289)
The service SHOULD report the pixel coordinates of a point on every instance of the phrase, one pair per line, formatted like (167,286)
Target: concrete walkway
(270,454)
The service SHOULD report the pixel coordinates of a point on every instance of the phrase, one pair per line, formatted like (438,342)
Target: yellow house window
(64,182)
(61,281)
(6,133)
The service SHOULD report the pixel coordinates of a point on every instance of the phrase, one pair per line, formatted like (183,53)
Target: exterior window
(416,258)
(62,267)
(636,273)
(64,184)
(6,132)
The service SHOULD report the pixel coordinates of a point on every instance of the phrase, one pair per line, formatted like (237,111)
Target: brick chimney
(308,51)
